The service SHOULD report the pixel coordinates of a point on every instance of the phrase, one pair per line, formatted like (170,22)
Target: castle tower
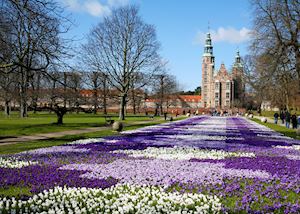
(208,66)
(237,75)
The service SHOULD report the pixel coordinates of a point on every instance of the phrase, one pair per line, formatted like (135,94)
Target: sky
(181,28)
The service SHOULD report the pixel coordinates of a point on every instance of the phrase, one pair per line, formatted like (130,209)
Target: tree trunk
(105,95)
(298,69)
(34,105)
(134,107)
(122,107)
(59,118)
(161,108)
(23,94)
(133,101)
(65,89)
(23,108)
(60,112)
(95,101)
(7,108)
(104,105)
(23,103)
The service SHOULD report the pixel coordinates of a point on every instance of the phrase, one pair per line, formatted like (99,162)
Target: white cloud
(117,3)
(93,7)
(229,34)
(72,4)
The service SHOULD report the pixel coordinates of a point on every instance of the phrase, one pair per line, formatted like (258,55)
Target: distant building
(175,103)
(220,89)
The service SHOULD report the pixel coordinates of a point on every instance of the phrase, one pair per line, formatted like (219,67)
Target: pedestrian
(294,121)
(281,116)
(165,115)
(299,121)
(276,115)
(287,119)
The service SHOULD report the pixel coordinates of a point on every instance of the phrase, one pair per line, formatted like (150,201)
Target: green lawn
(20,147)
(271,113)
(287,132)
(45,123)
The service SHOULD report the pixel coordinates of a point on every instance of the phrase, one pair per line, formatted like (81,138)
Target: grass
(45,123)
(20,147)
(15,191)
(271,113)
(278,128)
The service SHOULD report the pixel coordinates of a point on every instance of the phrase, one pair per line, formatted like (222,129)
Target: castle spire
(237,62)
(237,57)
(208,48)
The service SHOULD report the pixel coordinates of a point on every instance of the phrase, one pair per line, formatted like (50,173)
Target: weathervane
(208,26)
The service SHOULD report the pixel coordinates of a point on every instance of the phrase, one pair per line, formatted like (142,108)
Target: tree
(74,84)
(8,90)
(138,84)
(121,45)
(164,85)
(98,82)
(198,91)
(35,86)
(34,39)
(63,90)
(277,34)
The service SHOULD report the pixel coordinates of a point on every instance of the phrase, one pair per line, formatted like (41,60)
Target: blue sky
(181,27)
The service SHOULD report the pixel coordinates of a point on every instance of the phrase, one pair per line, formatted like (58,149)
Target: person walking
(294,121)
(287,119)
(165,115)
(281,117)
(276,115)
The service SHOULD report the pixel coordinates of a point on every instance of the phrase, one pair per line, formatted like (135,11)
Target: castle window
(227,95)
(205,79)
(216,85)
(227,102)
(227,85)
(216,103)
(217,95)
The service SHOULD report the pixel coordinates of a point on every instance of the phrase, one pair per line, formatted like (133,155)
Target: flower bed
(201,164)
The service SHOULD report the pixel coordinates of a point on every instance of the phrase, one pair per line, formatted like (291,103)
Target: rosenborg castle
(220,89)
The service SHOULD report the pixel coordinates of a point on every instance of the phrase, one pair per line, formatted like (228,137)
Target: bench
(108,120)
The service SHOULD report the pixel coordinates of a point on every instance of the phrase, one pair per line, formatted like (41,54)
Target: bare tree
(164,86)
(35,86)
(98,82)
(35,39)
(138,83)
(121,45)
(8,90)
(59,95)
(74,84)
(277,34)
(270,80)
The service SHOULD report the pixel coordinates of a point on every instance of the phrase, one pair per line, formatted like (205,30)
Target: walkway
(45,136)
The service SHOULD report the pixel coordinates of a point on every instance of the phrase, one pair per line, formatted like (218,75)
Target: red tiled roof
(186,98)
